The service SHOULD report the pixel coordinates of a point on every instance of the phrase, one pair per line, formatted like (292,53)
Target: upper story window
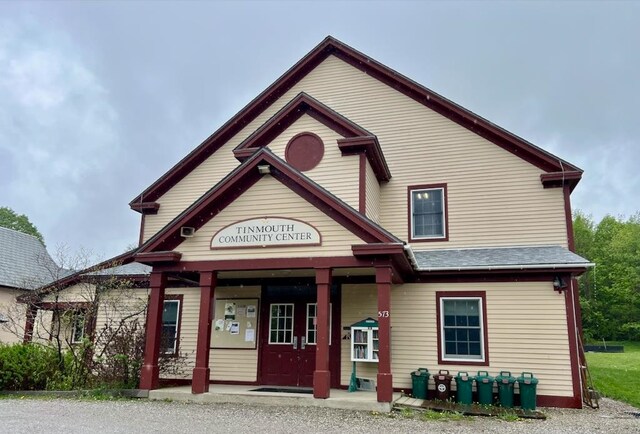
(428,213)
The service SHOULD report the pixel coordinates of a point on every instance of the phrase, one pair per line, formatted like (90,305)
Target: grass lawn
(617,375)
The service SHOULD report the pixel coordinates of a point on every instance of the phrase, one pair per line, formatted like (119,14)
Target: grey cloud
(118,92)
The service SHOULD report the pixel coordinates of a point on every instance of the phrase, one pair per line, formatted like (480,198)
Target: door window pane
(281,321)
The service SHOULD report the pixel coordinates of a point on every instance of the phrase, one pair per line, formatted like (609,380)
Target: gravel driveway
(142,416)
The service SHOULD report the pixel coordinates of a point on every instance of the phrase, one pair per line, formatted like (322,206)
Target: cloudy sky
(98,99)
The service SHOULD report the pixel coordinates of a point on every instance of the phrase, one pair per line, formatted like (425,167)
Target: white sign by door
(266,231)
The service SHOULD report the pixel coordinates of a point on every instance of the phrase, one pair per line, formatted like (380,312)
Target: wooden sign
(266,231)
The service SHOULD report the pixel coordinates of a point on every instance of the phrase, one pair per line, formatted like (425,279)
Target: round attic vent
(304,151)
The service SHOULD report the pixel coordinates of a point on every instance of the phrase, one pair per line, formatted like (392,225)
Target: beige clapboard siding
(335,173)
(188,332)
(268,197)
(421,147)
(15,312)
(372,194)
(235,365)
(526,326)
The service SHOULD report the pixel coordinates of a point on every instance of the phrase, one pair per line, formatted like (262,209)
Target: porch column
(150,374)
(322,375)
(32,312)
(385,381)
(200,381)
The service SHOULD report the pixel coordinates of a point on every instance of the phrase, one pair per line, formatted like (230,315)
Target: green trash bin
(527,384)
(464,386)
(484,383)
(505,388)
(420,383)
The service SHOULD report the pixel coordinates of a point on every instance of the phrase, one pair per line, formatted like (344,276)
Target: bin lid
(464,376)
(484,377)
(420,373)
(505,377)
(527,378)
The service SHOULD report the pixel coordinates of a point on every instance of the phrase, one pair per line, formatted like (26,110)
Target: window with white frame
(312,323)
(77,327)
(428,213)
(461,329)
(170,325)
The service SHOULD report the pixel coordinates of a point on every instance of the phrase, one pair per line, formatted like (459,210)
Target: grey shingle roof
(24,261)
(499,257)
(130,269)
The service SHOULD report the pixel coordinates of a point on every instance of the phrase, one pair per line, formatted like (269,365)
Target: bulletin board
(235,323)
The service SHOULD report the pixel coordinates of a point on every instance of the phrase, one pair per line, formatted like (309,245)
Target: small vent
(187,232)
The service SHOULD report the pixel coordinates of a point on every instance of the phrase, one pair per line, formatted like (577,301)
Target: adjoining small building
(25,265)
(347,193)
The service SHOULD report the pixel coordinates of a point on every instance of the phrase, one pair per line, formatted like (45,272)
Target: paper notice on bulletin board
(235,323)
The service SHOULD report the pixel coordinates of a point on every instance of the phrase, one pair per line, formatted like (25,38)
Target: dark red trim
(561,179)
(384,378)
(66,305)
(463,294)
(32,312)
(489,276)
(304,151)
(285,117)
(568,218)
(141,236)
(362,185)
(445,198)
(369,146)
(246,175)
(377,249)
(202,372)
(570,299)
(328,46)
(321,373)
(150,372)
(158,257)
(146,207)
(180,298)
(270,264)
(556,401)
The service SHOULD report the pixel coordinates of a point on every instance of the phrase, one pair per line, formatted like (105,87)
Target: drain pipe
(412,257)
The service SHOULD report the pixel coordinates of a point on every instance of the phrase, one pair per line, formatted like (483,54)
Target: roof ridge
(332,46)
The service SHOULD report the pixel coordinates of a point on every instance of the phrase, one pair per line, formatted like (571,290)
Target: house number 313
(383,314)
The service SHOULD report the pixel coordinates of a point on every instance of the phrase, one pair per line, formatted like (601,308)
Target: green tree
(610,293)
(19,222)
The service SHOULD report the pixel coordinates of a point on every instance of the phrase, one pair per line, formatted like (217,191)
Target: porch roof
(526,257)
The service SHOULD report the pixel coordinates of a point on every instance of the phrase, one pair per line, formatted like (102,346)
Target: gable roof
(24,261)
(331,46)
(122,266)
(355,138)
(241,179)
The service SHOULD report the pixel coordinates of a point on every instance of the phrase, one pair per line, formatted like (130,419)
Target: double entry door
(288,344)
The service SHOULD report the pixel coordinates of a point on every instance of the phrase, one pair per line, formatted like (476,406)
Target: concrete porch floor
(222,393)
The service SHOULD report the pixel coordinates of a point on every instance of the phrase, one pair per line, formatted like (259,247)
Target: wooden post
(32,312)
(201,373)
(322,375)
(150,374)
(385,380)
